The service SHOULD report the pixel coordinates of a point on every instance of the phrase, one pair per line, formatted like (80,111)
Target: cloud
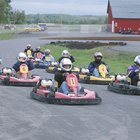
(73,7)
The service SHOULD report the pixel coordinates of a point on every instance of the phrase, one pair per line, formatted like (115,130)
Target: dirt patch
(115,38)
(87,45)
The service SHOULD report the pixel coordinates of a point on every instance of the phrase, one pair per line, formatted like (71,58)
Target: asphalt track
(21,118)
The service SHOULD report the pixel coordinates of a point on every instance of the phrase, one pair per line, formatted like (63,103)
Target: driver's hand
(137,70)
(65,74)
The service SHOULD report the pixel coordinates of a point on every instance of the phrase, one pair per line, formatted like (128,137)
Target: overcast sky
(72,7)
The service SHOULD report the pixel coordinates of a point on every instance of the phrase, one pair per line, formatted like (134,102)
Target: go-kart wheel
(96,94)
(51,95)
(54,70)
(37,65)
(7,81)
(87,79)
(34,89)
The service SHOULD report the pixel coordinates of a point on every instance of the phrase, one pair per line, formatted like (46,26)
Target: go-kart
(9,77)
(42,64)
(88,78)
(47,91)
(122,85)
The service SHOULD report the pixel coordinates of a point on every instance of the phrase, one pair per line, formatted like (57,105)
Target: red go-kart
(8,77)
(47,91)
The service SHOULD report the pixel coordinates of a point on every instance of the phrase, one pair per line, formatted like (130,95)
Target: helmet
(65,53)
(47,51)
(98,57)
(38,48)
(98,54)
(28,46)
(137,60)
(66,62)
(22,57)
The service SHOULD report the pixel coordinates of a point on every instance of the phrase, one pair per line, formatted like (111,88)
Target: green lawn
(117,61)
(5,36)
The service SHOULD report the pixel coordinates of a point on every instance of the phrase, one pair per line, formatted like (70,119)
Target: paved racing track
(21,118)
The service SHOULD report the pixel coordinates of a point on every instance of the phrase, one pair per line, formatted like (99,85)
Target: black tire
(7,81)
(51,95)
(87,79)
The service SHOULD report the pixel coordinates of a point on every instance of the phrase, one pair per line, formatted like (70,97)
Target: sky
(72,7)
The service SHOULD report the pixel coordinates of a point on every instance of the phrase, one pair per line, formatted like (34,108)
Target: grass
(5,36)
(118,61)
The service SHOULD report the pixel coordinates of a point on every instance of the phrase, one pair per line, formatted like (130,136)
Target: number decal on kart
(39,55)
(29,52)
(72,81)
(23,69)
(47,58)
(102,70)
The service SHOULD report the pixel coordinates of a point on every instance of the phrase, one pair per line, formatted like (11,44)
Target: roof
(125,8)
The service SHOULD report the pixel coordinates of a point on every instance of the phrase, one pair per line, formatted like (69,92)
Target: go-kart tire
(87,79)
(6,81)
(124,89)
(38,97)
(51,95)
(96,94)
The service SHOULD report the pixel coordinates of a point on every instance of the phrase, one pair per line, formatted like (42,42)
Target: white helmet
(137,60)
(47,51)
(98,54)
(22,55)
(65,62)
(65,53)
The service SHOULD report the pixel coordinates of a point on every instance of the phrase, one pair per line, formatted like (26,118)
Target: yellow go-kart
(104,79)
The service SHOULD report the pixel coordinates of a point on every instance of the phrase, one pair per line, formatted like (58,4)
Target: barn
(123,15)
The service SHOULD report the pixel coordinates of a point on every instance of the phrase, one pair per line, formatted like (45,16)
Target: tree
(4,11)
(18,17)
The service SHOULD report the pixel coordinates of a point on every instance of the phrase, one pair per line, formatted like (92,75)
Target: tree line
(65,19)
(10,16)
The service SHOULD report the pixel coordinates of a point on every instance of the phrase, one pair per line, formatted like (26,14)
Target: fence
(60,28)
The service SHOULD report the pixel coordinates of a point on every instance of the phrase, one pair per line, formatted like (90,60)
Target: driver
(22,59)
(94,65)
(37,50)
(47,55)
(29,51)
(61,73)
(134,70)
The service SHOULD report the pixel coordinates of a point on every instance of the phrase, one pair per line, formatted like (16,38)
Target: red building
(124,15)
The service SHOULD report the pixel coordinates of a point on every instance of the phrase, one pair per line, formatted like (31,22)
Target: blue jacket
(131,71)
(18,63)
(94,65)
